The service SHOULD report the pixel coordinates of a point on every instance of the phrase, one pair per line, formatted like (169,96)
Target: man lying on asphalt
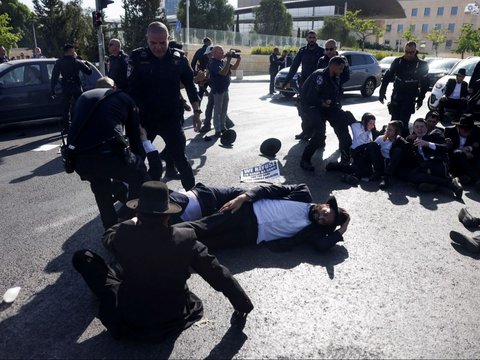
(280,216)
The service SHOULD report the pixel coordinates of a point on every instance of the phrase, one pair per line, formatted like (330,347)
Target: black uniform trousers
(227,229)
(174,138)
(70,94)
(317,117)
(402,108)
(272,81)
(99,166)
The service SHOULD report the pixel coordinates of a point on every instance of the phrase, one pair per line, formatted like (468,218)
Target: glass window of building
(438,26)
(426,12)
(451,27)
(388,28)
(387,42)
(454,10)
(412,28)
(414,11)
(400,28)
(440,11)
(424,28)
(448,43)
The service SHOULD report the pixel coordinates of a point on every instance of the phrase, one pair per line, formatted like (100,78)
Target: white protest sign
(259,173)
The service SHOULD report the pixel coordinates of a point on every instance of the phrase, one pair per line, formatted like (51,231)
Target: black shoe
(306,165)
(456,188)
(375,176)
(427,187)
(351,179)
(229,123)
(384,183)
(469,243)
(467,219)
(205,128)
(332,166)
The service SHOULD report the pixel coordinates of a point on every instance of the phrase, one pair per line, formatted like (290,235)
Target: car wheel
(287,94)
(368,87)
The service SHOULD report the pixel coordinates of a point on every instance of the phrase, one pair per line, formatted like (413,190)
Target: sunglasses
(329,49)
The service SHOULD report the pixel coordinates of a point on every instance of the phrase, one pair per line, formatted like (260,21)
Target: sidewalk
(252,78)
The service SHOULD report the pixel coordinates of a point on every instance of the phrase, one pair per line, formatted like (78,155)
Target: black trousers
(99,167)
(457,105)
(225,230)
(365,157)
(461,165)
(431,172)
(402,109)
(317,118)
(70,94)
(172,133)
(272,81)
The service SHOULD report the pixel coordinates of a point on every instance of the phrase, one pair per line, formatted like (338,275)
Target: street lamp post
(34,36)
(187,30)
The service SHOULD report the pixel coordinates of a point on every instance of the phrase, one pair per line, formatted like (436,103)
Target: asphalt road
(396,288)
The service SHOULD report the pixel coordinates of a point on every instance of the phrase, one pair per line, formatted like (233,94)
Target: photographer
(220,70)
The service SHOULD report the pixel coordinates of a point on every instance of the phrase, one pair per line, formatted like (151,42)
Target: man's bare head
(157,39)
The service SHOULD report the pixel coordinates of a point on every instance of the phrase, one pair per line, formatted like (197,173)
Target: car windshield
(387,60)
(467,64)
(445,64)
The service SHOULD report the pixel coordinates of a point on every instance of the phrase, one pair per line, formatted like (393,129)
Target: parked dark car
(365,75)
(438,69)
(25,90)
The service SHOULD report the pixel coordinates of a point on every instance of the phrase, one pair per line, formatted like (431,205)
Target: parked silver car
(365,75)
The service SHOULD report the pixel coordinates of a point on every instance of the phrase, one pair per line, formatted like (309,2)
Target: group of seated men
(429,157)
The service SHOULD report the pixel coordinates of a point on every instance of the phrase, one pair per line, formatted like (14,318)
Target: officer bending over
(154,83)
(410,83)
(101,151)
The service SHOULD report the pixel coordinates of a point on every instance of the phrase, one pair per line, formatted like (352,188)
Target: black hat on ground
(154,200)
(270,147)
(228,137)
(461,72)
(340,216)
(466,121)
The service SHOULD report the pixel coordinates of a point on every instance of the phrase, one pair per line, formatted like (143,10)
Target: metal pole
(187,30)
(34,36)
(345,8)
(101,46)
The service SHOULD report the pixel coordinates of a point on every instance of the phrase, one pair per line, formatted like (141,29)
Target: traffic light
(97,19)
(104,3)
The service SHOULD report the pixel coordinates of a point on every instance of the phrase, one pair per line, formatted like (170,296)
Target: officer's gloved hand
(382,98)
(419,103)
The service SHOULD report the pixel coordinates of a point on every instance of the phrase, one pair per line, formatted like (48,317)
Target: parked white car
(439,88)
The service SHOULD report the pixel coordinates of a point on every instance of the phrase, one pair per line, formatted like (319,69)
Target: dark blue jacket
(308,58)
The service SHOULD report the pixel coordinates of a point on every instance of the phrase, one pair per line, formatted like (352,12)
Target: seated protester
(150,299)
(279,216)
(455,96)
(430,169)
(431,120)
(394,150)
(463,141)
(363,147)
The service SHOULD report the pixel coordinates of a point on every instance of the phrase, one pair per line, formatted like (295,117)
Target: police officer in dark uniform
(117,64)
(200,62)
(275,62)
(410,83)
(154,83)
(69,67)
(101,152)
(307,56)
(320,96)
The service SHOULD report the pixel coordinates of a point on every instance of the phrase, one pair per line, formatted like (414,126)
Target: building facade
(423,16)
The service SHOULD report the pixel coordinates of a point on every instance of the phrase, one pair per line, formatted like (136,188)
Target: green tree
(8,38)
(20,19)
(437,36)
(138,14)
(207,14)
(408,35)
(51,25)
(334,29)
(468,41)
(362,28)
(79,30)
(272,18)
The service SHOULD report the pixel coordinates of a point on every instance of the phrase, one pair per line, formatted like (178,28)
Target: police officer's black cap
(67,47)
(270,147)
(228,137)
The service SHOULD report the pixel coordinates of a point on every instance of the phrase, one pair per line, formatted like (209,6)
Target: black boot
(467,219)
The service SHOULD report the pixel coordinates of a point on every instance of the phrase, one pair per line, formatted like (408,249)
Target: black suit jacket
(153,297)
(450,86)
(473,140)
(440,151)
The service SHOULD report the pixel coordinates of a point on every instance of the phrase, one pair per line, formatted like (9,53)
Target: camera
(232,53)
